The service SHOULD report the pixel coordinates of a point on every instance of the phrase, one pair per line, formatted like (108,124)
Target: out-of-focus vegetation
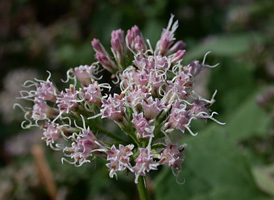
(234,161)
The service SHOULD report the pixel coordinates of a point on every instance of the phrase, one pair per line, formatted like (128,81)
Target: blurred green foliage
(222,162)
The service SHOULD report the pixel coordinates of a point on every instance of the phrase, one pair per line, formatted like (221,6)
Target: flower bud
(106,62)
(180,45)
(194,68)
(178,56)
(135,39)
(84,74)
(118,44)
(98,47)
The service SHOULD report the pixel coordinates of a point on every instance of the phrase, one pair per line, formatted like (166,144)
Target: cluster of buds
(156,98)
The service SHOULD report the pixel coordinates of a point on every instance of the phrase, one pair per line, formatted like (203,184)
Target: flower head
(151,96)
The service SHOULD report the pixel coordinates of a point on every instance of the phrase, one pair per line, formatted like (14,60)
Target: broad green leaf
(264,177)
(231,192)
(224,45)
(234,82)
(248,120)
(213,165)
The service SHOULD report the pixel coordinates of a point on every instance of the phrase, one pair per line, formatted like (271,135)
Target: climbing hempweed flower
(156,97)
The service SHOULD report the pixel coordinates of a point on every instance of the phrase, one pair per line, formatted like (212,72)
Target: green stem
(142,189)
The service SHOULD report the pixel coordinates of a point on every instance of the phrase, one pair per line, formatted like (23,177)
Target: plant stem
(142,189)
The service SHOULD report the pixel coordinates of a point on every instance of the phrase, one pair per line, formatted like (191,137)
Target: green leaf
(224,45)
(230,192)
(234,82)
(213,166)
(248,120)
(264,177)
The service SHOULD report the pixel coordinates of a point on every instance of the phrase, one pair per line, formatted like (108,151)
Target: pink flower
(51,132)
(136,95)
(112,108)
(161,62)
(92,94)
(42,111)
(155,82)
(119,158)
(142,77)
(68,101)
(179,116)
(200,108)
(144,162)
(172,156)
(155,97)
(152,108)
(144,130)
(140,62)
(183,85)
(46,91)
(85,145)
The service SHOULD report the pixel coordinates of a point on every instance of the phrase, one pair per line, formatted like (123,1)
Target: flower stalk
(142,188)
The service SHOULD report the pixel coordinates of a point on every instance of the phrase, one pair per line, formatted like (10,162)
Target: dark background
(234,161)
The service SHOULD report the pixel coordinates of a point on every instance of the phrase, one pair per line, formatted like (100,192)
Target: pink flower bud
(180,45)
(136,95)
(178,56)
(106,62)
(84,74)
(165,42)
(194,68)
(98,47)
(135,39)
(118,44)
(167,37)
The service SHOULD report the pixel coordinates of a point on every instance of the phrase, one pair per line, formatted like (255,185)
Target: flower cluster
(156,97)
